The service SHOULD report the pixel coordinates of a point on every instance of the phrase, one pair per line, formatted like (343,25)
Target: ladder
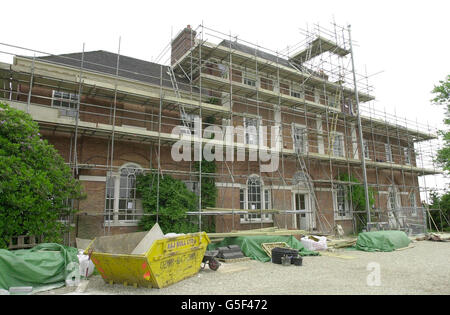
(334,121)
(311,191)
(183,115)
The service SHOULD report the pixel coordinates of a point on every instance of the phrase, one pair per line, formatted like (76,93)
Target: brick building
(111,116)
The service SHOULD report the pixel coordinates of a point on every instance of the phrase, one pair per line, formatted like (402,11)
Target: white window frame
(413,204)
(247,134)
(297,90)
(250,77)
(366,149)
(331,100)
(348,215)
(224,70)
(190,121)
(70,99)
(265,202)
(339,135)
(316,96)
(407,155)
(304,138)
(388,152)
(193,186)
(114,194)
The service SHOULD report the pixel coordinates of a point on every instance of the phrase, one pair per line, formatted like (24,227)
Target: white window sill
(256,221)
(121,223)
(342,218)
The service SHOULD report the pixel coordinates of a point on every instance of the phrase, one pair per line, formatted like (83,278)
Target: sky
(404,43)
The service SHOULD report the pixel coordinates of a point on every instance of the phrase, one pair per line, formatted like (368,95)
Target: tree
(209,189)
(440,211)
(174,201)
(442,97)
(35,183)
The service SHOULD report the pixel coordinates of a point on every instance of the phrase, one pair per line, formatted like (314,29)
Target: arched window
(254,192)
(255,197)
(122,206)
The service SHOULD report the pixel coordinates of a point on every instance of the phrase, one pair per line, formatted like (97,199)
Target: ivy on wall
(356,195)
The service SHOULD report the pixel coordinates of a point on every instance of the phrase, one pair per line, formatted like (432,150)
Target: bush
(35,183)
(174,201)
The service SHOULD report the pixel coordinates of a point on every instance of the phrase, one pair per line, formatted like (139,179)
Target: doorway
(301,203)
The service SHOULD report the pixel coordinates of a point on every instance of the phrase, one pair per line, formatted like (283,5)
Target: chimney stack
(182,43)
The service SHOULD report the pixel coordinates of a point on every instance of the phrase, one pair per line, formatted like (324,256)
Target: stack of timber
(271,231)
(341,243)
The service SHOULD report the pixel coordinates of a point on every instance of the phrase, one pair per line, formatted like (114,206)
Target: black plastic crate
(279,252)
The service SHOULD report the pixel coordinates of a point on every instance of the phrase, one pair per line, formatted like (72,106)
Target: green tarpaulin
(382,241)
(41,266)
(251,245)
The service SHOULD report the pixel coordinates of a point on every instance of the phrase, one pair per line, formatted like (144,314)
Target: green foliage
(35,183)
(442,97)
(174,201)
(208,189)
(442,92)
(442,217)
(357,196)
(214,101)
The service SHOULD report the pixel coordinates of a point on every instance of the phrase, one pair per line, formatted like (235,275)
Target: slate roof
(106,62)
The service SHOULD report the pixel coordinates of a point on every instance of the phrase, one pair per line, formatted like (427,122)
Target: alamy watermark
(214,141)
(374,277)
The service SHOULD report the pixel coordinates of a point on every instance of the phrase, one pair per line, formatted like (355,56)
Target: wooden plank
(256,233)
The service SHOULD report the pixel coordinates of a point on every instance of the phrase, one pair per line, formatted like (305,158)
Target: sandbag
(311,244)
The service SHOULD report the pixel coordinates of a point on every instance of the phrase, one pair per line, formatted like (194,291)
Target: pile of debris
(434,237)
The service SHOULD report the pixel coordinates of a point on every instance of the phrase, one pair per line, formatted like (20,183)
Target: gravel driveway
(423,269)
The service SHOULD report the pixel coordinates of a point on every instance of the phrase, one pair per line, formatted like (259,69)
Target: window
(412,200)
(366,149)
(189,123)
(267,201)
(110,198)
(297,91)
(388,150)
(254,193)
(64,99)
(342,206)
(331,100)
(242,199)
(255,197)
(300,138)
(407,156)
(223,69)
(338,145)
(251,130)
(122,206)
(249,79)
(193,187)
(316,96)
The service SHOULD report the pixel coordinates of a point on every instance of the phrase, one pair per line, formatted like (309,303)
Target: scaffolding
(313,97)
